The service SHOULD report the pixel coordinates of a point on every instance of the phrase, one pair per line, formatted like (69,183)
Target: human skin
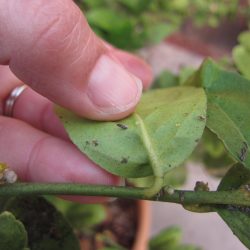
(49,46)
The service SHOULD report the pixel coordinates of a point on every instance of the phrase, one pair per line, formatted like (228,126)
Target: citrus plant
(151,144)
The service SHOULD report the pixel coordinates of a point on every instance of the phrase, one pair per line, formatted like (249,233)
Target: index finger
(49,45)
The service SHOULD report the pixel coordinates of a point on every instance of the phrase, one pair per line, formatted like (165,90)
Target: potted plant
(165,129)
(192,116)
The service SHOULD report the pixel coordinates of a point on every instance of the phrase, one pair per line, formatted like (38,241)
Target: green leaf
(174,178)
(109,21)
(164,130)
(214,155)
(136,5)
(165,80)
(236,217)
(80,216)
(85,216)
(157,32)
(228,109)
(167,238)
(13,235)
(185,73)
(241,58)
(244,39)
(46,227)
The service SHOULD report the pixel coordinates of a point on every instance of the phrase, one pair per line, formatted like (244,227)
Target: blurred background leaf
(170,239)
(241,54)
(13,235)
(46,227)
(132,24)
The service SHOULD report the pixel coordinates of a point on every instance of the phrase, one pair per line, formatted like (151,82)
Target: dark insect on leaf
(124,160)
(95,143)
(171,134)
(122,126)
(243,152)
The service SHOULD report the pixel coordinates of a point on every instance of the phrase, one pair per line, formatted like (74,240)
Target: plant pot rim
(144,221)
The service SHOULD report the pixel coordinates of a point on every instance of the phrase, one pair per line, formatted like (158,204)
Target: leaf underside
(236,217)
(173,120)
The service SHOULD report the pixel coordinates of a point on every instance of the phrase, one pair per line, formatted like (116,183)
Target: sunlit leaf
(171,120)
(244,39)
(241,58)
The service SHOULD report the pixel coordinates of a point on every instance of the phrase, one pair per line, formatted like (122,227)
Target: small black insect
(87,143)
(122,126)
(124,160)
(243,152)
(95,143)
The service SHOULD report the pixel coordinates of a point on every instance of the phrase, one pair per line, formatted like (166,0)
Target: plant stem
(235,197)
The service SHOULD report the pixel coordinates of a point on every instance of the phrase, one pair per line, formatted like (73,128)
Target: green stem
(237,197)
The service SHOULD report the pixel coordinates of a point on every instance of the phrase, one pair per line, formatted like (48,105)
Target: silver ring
(10,101)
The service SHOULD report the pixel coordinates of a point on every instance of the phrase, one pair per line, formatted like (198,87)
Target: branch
(239,197)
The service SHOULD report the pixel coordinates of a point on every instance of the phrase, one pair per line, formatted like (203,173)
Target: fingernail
(111,88)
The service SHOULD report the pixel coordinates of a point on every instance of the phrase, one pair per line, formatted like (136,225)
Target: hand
(49,46)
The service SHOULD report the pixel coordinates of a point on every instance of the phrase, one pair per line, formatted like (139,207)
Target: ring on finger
(11,100)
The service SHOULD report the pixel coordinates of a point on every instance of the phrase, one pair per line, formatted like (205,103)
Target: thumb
(49,46)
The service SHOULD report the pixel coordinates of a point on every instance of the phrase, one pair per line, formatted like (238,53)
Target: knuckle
(58,26)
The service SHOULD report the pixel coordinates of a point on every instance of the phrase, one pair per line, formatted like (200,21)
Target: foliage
(132,24)
(169,238)
(241,54)
(167,125)
(33,218)
(167,79)
(206,111)
(237,217)
(80,216)
(163,130)
(13,235)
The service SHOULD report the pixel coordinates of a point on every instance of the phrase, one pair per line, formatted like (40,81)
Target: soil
(119,228)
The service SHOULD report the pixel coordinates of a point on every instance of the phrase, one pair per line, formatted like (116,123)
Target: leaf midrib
(149,146)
